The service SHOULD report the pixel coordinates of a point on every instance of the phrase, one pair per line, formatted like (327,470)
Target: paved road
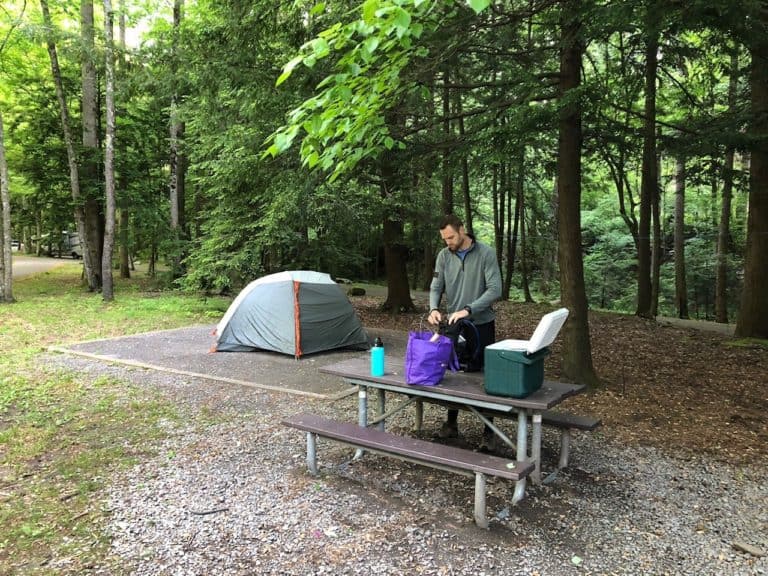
(23,265)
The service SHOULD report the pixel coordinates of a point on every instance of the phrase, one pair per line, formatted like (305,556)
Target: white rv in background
(69,245)
(70,242)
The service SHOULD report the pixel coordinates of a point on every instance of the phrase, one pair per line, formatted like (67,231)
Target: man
(467,272)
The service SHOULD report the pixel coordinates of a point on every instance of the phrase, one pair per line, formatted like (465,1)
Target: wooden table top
(458,387)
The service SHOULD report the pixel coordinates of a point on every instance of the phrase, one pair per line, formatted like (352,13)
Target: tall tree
(656,248)
(6,270)
(109,155)
(90,179)
(122,186)
(446,202)
(577,351)
(648,187)
(681,288)
(177,163)
(724,227)
(753,314)
(6,263)
(72,160)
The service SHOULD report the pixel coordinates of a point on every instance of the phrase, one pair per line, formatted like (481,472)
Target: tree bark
(6,269)
(109,156)
(122,186)
(753,315)
(528,298)
(656,249)
(446,203)
(649,171)
(515,222)
(177,164)
(724,227)
(464,171)
(497,179)
(681,288)
(398,291)
(74,173)
(577,351)
(429,264)
(89,168)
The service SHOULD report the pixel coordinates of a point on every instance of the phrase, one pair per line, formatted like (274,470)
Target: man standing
(467,272)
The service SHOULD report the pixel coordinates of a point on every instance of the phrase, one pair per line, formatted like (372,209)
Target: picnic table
(460,390)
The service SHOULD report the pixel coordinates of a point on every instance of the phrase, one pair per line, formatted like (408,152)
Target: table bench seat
(423,452)
(567,422)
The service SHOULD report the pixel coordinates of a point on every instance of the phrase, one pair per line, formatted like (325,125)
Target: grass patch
(748,343)
(62,434)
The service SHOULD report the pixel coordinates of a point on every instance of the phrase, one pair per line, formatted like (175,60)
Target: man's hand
(434,317)
(458,315)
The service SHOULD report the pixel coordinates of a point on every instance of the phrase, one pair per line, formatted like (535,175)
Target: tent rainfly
(296,312)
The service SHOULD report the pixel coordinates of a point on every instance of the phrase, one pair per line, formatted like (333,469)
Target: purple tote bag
(426,361)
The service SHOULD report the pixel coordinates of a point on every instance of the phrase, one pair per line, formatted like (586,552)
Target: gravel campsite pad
(228,493)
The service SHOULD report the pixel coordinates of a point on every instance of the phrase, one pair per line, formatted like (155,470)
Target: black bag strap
(468,324)
(454,330)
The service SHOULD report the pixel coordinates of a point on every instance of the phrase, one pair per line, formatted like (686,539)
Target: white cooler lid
(545,333)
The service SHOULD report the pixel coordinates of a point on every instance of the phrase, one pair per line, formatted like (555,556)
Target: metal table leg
(522,452)
(419,415)
(362,414)
(536,448)
(480,518)
(382,408)
(312,453)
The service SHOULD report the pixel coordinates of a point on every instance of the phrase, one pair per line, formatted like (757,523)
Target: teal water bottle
(377,358)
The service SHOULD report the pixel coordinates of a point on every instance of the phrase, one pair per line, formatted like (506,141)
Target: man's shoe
(448,430)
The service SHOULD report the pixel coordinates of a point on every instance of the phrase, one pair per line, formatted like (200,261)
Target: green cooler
(513,373)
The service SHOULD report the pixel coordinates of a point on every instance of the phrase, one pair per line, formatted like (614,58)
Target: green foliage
(346,122)
(610,261)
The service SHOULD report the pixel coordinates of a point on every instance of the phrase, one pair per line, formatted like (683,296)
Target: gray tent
(299,312)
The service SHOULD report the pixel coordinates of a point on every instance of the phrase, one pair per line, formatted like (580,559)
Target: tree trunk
(89,168)
(122,174)
(524,251)
(398,291)
(656,249)
(176,186)
(753,314)
(509,244)
(649,173)
(109,156)
(446,203)
(6,269)
(74,174)
(724,227)
(515,222)
(464,172)
(577,351)
(429,264)
(498,225)
(681,288)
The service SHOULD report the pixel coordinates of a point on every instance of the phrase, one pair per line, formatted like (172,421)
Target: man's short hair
(451,220)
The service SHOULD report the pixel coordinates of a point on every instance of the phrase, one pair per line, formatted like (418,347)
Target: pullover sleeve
(492,277)
(437,286)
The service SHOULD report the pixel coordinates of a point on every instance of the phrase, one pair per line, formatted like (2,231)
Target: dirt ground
(680,389)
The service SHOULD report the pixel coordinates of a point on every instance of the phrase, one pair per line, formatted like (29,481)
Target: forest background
(614,153)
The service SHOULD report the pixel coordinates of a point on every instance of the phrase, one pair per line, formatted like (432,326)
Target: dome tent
(296,312)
